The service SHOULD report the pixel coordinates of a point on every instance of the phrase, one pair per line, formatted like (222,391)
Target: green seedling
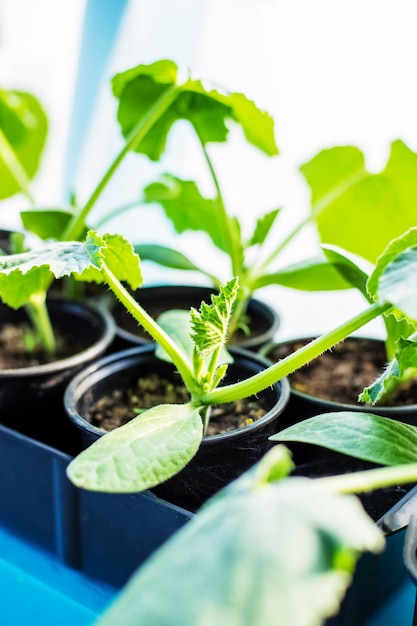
(170,435)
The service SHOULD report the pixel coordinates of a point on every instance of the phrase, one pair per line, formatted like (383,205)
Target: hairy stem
(293,362)
(148,323)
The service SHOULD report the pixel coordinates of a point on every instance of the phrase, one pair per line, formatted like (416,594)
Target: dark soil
(19,348)
(109,412)
(341,374)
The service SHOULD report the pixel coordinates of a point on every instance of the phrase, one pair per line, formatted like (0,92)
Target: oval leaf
(141,454)
(281,554)
(24,125)
(361,435)
(371,207)
(315,274)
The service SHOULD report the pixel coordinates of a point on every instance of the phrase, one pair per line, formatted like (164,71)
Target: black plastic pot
(221,458)
(31,398)
(390,507)
(263,320)
(105,536)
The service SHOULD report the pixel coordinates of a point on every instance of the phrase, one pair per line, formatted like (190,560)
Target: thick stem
(38,313)
(293,362)
(149,324)
(137,134)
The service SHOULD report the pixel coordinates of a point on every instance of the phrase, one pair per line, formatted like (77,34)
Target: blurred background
(330,73)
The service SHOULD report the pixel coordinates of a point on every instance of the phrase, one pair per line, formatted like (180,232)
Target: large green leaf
(282,554)
(23,123)
(120,258)
(48,222)
(359,210)
(141,454)
(23,274)
(188,209)
(361,435)
(314,274)
(139,88)
(394,279)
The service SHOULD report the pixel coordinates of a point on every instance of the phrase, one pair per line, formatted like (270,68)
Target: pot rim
(90,374)
(384,411)
(97,348)
(259,306)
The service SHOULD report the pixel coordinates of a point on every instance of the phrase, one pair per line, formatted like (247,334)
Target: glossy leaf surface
(360,435)
(280,554)
(149,449)
(372,207)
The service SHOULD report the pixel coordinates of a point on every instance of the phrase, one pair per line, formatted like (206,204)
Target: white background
(329,72)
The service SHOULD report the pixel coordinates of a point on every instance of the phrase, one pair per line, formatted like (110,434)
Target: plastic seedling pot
(221,457)
(263,320)
(31,397)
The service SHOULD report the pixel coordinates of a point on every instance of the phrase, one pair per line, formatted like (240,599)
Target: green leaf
(187,209)
(211,322)
(314,274)
(138,90)
(176,323)
(163,255)
(394,279)
(23,123)
(263,227)
(47,223)
(16,289)
(26,273)
(372,207)
(141,454)
(122,260)
(348,267)
(401,368)
(281,554)
(361,435)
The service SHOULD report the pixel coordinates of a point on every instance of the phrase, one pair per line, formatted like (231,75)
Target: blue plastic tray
(38,588)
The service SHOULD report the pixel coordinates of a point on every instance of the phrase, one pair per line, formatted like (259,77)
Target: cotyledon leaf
(146,451)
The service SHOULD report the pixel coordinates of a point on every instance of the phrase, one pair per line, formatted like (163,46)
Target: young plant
(153,99)
(23,131)
(211,114)
(171,434)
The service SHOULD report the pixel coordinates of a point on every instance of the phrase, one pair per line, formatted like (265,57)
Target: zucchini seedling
(110,259)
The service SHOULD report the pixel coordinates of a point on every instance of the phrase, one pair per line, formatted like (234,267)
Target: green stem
(223,218)
(38,313)
(14,166)
(137,134)
(368,480)
(149,324)
(294,361)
